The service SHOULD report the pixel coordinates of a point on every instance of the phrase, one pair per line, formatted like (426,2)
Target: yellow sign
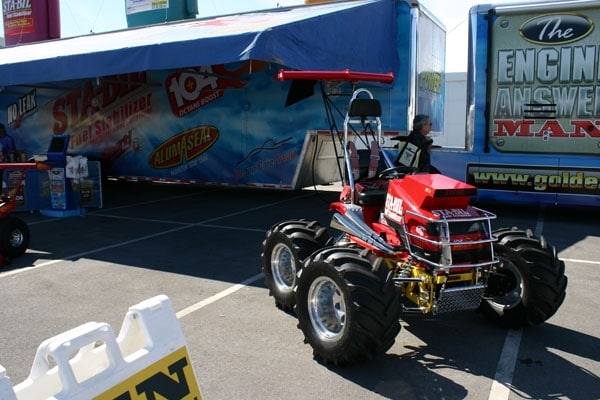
(171,378)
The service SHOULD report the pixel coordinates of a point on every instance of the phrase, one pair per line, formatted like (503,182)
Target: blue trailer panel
(533,103)
(197,101)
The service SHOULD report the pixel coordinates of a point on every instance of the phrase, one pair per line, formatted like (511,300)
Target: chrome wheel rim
(16,238)
(327,309)
(511,297)
(283,267)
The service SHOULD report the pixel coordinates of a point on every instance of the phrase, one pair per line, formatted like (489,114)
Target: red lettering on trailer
(82,103)
(551,128)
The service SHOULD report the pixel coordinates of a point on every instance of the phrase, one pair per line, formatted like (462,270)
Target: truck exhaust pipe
(352,224)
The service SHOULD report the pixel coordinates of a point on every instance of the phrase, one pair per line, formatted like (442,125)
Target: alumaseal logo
(556,28)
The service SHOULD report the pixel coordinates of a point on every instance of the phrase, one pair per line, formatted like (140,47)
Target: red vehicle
(14,232)
(404,243)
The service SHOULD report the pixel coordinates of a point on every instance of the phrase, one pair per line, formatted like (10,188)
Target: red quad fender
(418,202)
(433,194)
(414,201)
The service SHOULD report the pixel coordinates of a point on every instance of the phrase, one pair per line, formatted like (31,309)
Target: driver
(419,137)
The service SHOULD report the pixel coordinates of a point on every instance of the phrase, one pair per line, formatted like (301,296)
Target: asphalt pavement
(201,247)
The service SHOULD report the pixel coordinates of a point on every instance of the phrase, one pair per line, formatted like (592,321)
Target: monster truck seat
(365,160)
(373,197)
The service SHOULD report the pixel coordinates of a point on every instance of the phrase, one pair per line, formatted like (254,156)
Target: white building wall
(455,114)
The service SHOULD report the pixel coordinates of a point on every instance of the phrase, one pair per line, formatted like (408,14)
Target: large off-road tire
(285,247)
(347,305)
(14,237)
(529,284)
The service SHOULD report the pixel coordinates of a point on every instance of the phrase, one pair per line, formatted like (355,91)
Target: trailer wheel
(529,285)
(347,305)
(285,247)
(14,237)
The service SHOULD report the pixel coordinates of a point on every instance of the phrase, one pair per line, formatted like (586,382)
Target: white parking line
(218,296)
(96,250)
(504,370)
(506,366)
(501,384)
(179,228)
(577,260)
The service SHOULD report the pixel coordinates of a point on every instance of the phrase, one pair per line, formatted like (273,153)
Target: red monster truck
(406,243)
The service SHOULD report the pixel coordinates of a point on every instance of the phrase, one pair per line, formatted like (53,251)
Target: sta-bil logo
(183,147)
(556,28)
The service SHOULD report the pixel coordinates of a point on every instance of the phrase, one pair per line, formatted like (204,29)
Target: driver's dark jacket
(424,143)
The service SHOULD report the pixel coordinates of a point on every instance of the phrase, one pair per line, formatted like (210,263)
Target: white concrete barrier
(148,359)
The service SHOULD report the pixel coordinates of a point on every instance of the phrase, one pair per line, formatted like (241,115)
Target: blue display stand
(63,202)
(34,193)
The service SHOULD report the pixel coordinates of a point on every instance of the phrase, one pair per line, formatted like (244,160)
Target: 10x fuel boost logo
(192,89)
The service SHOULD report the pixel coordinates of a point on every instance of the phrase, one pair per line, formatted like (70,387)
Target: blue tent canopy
(359,35)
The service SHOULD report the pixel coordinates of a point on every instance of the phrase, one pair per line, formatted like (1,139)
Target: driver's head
(420,121)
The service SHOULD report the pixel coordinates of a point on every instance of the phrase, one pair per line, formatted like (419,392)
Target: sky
(81,17)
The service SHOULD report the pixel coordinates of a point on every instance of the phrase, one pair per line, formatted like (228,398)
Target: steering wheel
(395,172)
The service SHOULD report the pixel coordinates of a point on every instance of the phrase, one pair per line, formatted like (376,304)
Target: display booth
(62,198)
(69,186)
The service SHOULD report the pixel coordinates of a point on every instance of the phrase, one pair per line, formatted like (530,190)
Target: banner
(545,79)
(136,6)
(30,21)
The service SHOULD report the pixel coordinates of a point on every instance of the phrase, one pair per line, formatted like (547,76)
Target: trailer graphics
(533,99)
(192,128)
(184,147)
(545,80)
(201,106)
(194,88)
(534,179)
(430,67)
